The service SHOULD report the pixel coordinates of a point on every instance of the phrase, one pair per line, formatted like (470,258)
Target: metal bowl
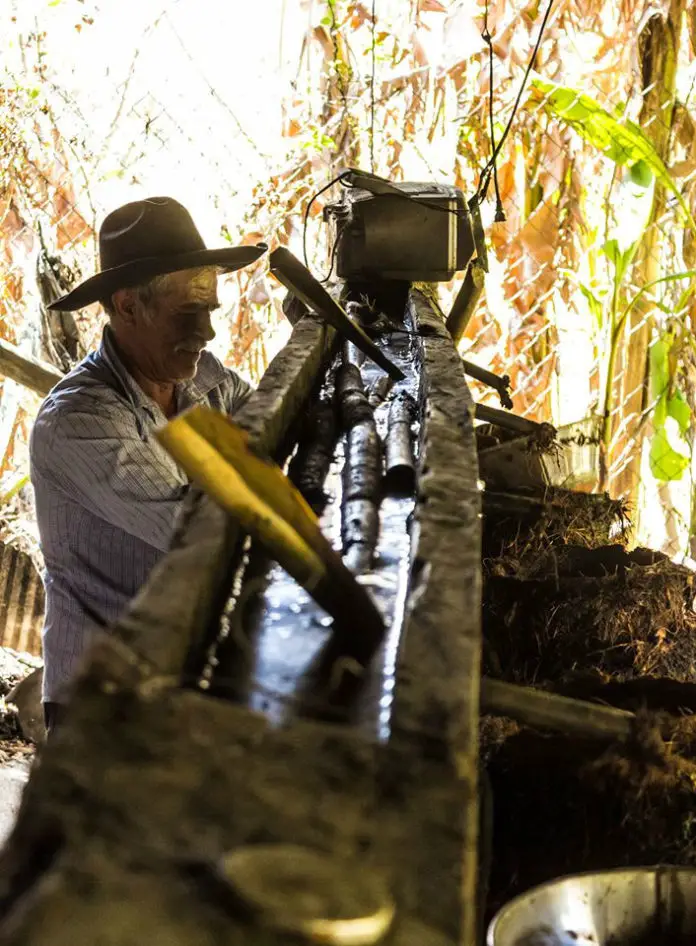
(646,906)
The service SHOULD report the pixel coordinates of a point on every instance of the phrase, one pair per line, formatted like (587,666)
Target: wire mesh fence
(243,117)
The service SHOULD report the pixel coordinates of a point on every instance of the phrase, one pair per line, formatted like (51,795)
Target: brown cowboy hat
(149,238)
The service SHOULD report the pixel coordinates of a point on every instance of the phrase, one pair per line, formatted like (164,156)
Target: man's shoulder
(213,374)
(87,388)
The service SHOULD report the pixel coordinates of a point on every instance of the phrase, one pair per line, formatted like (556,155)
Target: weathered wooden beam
(544,710)
(436,697)
(29,372)
(466,301)
(124,825)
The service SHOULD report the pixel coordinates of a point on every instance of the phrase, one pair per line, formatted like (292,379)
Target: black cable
(334,252)
(494,157)
(306,214)
(488,40)
(489,170)
(372,90)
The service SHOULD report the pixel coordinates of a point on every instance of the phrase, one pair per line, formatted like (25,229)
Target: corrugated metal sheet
(21,601)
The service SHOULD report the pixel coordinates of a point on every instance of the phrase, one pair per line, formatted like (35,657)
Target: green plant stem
(18,484)
(611,368)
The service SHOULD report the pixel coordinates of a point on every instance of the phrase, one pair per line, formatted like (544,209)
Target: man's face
(166,337)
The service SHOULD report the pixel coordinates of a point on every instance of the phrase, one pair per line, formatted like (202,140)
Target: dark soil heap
(567,608)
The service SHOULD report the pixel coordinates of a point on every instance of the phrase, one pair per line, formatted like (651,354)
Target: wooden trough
(169,806)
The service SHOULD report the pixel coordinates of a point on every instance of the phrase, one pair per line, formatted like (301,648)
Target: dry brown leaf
(258,292)
(321,35)
(539,235)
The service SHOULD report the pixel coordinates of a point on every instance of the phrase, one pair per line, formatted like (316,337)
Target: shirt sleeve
(235,390)
(101,461)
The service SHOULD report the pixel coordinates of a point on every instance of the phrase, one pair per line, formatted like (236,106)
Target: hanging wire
(372,89)
(488,40)
(490,168)
(485,177)
(305,221)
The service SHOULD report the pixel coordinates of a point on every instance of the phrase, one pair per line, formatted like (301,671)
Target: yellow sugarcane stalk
(215,453)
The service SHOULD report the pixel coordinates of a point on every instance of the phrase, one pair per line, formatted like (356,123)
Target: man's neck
(162,393)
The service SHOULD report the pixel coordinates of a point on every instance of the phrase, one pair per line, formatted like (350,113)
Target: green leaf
(682,302)
(659,369)
(621,259)
(114,173)
(611,251)
(622,141)
(641,174)
(594,302)
(678,409)
(665,463)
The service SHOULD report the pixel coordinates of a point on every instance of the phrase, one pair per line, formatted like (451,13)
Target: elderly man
(107,495)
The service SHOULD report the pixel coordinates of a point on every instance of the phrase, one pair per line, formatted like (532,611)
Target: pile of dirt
(523,524)
(605,611)
(566,607)
(566,805)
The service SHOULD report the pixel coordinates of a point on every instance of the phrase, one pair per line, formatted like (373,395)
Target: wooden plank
(436,702)
(189,778)
(27,371)
(545,710)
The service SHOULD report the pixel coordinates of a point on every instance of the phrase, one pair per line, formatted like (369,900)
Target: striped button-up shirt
(107,495)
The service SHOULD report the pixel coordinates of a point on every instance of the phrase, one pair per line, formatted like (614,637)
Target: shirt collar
(209,375)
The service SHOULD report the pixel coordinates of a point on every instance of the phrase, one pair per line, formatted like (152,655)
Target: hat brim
(104,284)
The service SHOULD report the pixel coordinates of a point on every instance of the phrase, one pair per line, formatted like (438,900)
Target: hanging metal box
(423,236)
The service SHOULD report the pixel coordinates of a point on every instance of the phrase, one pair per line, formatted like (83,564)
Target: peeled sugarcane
(310,465)
(379,391)
(362,471)
(352,401)
(352,354)
(400,474)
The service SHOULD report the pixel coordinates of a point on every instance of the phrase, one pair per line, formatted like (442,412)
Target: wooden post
(466,301)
